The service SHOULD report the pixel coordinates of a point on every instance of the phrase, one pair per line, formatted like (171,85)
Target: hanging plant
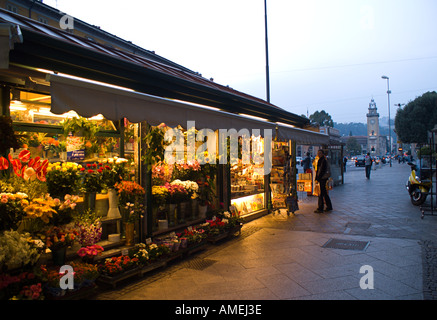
(154,145)
(79,126)
(8,138)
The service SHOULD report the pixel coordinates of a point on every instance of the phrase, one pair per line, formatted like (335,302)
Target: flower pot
(89,200)
(183,211)
(129,233)
(58,256)
(202,211)
(171,213)
(194,208)
(113,212)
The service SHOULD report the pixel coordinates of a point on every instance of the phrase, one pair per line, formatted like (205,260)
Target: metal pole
(389,124)
(267,53)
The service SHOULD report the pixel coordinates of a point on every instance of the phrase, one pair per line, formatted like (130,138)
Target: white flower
(227,214)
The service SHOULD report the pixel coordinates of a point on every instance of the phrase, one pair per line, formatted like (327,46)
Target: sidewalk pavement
(282,257)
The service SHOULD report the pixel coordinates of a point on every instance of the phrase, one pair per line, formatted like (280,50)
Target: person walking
(322,175)
(344,163)
(368,163)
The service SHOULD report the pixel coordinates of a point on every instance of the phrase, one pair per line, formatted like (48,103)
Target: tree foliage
(322,118)
(419,116)
(352,146)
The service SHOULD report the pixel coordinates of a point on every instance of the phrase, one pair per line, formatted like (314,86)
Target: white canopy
(90,98)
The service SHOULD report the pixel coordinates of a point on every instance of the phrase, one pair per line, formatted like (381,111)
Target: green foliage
(352,146)
(80,126)
(419,116)
(322,118)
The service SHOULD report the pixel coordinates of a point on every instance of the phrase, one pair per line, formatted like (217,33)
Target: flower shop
(86,133)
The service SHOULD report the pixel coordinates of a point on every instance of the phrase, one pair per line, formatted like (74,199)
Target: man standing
(306,163)
(368,164)
(322,175)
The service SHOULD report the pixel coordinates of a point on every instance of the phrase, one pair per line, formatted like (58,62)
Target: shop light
(253,117)
(286,124)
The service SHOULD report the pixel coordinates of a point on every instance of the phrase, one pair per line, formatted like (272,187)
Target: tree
(419,116)
(322,118)
(352,146)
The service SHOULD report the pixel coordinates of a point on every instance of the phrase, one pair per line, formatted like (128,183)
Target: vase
(183,211)
(202,211)
(171,211)
(58,256)
(194,208)
(63,156)
(129,229)
(89,200)
(113,212)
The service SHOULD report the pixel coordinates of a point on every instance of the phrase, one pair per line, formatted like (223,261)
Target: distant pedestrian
(322,175)
(344,163)
(368,163)
(306,163)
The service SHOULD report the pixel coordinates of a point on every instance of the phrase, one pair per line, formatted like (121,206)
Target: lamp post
(267,53)
(389,125)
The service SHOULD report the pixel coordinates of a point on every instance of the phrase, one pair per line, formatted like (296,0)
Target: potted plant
(79,126)
(63,178)
(131,202)
(91,184)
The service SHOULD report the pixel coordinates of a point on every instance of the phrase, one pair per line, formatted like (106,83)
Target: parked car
(360,161)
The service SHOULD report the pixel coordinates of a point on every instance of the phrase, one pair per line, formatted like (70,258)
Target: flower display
(159,195)
(141,253)
(89,252)
(56,237)
(187,170)
(193,235)
(115,265)
(161,173)
(18,249)
(89,232)
(113,171)
(177,193)
(190,186)
(41,208)
(92,177)
(62,178)
(29,168)
(24,286)
(12,209)
(132,211)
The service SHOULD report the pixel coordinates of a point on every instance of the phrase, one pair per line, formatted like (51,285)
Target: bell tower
(373,130)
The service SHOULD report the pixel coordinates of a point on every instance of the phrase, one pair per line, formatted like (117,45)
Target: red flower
(88,165)
(24,155)
(4,164)
(90,171)
(82,169)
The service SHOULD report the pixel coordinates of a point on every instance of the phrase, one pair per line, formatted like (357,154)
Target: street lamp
(389,125)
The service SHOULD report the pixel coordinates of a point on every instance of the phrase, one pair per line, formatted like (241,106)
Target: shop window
(247,181)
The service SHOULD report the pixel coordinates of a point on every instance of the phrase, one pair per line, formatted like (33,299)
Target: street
(282,257)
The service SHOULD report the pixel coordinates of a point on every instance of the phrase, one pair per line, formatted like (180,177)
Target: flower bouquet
(57,238)
(177,193)
(160,195)
(18,250)
(191,187)
(113,171)
(92,178)
(116,265)
(63,178)
(89,252)
(12,209)
(24,286)
(130,194)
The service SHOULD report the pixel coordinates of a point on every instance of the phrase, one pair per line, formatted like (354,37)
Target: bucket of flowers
(58,239)
(88,253)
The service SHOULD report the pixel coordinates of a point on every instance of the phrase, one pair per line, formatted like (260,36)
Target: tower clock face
(372,121)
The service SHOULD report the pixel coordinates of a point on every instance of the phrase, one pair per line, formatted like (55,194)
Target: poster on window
(75,148)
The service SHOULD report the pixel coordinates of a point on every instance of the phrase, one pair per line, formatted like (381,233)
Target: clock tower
(373,130)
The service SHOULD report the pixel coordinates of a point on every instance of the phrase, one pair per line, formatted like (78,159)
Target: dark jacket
(322,170)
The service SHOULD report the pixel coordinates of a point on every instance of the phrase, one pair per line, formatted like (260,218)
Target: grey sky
(324,54)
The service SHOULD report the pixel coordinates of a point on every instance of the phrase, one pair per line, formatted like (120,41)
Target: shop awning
(89,99)
(9,34)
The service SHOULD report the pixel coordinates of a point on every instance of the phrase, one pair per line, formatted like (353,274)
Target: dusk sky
(323,54)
